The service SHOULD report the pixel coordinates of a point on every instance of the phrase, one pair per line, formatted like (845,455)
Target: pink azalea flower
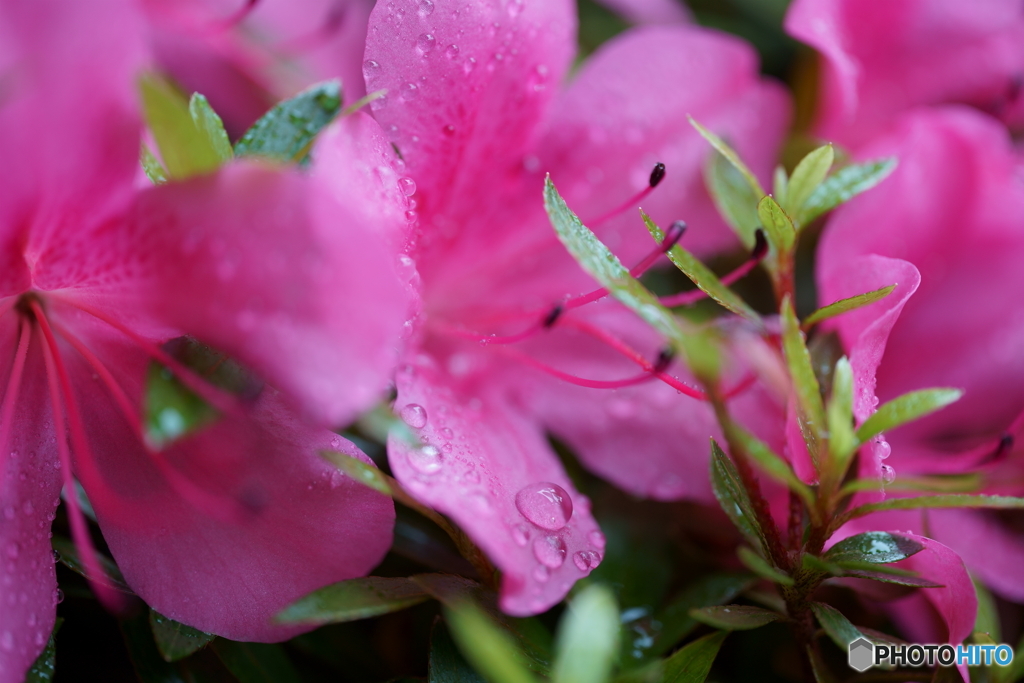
(223,528)
(476,109)
(881,59)
(953,208)
(246,55)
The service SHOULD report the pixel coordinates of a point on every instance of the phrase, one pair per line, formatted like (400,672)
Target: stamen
(553,315)
(657,175)
(57,379)
(1004,446)
(756,255)
(573,379)
(11,395)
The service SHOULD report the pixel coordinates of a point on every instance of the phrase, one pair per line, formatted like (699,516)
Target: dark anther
(665,357)
(760,245)
(553,315)
(658,174)
(1005,444)
(673,235)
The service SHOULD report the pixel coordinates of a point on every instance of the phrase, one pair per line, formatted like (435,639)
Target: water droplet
(411,216)
(446,447)
(410,91)
(481,504)
(447,433)
(426,459)
(425,43)
(596,539)
(336,479)
(888,474)
(452,52)
(545,504)
(521,534)
(414,415)
(469,65)
(370,66)
(448,130)
(541,573)
(884,449)
(538,78)
(407,186)
(585,560)
(58,596)
(335,442)
(56,557)
(549,551)
(426,8)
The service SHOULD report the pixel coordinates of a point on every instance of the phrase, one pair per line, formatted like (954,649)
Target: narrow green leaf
(364,473)
(149,666)
(732,496)
(701,275)
(760,566)
(806,178)
(45,666)
(808,393)
(692,664)
(844,305)
(987,620)
(595,258)
(867,570)
(842,439)
(906,408)
(845,184)
(286,132)
(733,198)
(152,166)
(187,150)
(878,547)
(952,483)
(838,627)
(675,618)
(731,156)
(772,464)
(889,577)
(779,226)
(588,638)
(354,599)
(734,617)
(210,126)
(486,646)
(447,665)
(256,662)
(948,501)
(174,639)
(780,185)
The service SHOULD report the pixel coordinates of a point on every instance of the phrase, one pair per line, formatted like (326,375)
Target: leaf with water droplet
(354,599)
(874,546)
(735,617)
(45,666)
(778,225)
(287,132)
(174,639)
(151,165)
(732,496)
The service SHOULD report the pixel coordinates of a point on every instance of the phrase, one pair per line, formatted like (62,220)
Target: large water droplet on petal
(549,551)
(414,415)
(426,459)
(545,504)
(426,8)
(888,474)
(410,91)
(407,186)
(425,43)
(585,560)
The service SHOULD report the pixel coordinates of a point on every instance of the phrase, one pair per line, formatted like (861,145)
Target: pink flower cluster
(416,253)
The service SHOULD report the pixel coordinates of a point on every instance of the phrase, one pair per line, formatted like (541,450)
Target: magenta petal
(993,550)
(627,109)
(649,11)
(29,494)
(488,467)
(467,89)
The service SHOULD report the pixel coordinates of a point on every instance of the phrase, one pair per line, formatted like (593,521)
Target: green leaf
(149,666)
(588,638)
(877,547)
(760,566)
(772,464)
(211,127)
(256,662)
(174,639)
(842,439)
(780,185)
(152,166)
(733,198)
(732,496)
(111,578)
(364,473)
(354,599)
(1015,671)
(675,618)
(286,132)
(734,617)
(692,664)
(947,501)
(45,666)
(605,267)
(806,178)
(701,275)
(777,224)
(844,305)
(951,483)
(888,576)
(987,620)
(905,408)
(808,393)
(845,184)
(731,156)
(447,665)
(187,146)
(838,627)
(489,648)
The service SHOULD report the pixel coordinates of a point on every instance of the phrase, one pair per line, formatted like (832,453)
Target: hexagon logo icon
(862,654)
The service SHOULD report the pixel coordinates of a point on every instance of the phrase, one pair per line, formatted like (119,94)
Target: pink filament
(621,208)
(687,298)
(573,379)
(11,395)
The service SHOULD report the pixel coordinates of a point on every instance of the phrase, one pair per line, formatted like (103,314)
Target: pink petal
(627,109)
(881,61)
(29,494)
(463,117)
(263,264)
(488,467)
(251,520)
(649,11)
(953,207)
(68,121)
